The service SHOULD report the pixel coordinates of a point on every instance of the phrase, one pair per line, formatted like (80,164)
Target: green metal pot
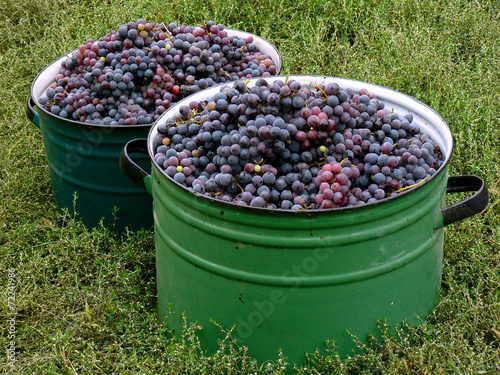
(83,169)
(83,159)
(293,280)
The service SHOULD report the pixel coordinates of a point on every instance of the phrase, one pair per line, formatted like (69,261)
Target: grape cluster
(285,145)
(132,75)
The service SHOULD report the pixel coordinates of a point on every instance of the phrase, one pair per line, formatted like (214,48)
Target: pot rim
(54,66)
(343,83)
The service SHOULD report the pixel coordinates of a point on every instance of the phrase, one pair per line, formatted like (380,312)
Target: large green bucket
(293,280)
(83,159)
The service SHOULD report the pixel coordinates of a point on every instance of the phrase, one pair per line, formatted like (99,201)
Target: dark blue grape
(257,202)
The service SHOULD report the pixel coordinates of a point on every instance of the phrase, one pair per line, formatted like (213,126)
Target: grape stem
(180,121)
(242,190)
(168,36)
(409,187)
(206,29)
(320,89)
(319,163)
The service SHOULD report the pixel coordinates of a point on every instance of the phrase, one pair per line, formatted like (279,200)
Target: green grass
(86,298)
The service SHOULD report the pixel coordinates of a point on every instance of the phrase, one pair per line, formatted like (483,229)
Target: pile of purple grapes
(285,145)
(132,75)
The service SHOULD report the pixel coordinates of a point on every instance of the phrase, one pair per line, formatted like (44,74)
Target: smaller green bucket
(292,280)
(82,161)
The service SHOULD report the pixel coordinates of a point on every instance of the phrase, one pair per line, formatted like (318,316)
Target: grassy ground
(86,298)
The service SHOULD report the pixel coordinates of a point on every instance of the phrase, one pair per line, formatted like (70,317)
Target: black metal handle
(31,113)
(131,169)
(468,207)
